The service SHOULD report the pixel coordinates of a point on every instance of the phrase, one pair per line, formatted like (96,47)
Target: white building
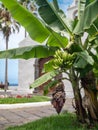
(72,9)
(26,69)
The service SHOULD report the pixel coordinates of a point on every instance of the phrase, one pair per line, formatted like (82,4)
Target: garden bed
(22,99)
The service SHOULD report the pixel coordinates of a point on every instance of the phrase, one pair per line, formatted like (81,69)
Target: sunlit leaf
(50,85)
(83,58)
(34,27)
(48,66)
(44,78)
(56,39)
(54,17)
(38,51)
(89,16)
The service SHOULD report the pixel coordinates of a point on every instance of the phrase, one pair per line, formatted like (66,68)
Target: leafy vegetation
(77,58)
(20,99)
(60,122)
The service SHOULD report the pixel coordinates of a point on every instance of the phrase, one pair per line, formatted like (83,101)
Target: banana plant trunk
(90,101)
(80,111)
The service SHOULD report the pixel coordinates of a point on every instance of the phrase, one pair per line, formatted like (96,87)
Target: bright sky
(12,64)
(13,43)
(64,4)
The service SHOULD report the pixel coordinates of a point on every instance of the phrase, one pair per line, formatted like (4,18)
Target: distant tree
(7,26)
(29,4)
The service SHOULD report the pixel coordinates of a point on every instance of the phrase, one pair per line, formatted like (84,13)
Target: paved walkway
(11,117)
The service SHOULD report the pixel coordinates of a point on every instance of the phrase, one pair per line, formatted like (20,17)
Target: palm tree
(8,25)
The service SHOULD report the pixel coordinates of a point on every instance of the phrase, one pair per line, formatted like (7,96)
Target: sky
(13,43)
(12,64)
(64,4)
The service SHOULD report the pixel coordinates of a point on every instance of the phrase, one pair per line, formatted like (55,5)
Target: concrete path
(12,117)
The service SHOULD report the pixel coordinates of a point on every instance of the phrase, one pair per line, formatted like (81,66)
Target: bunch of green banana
(58,61)
(58,54)
(69,59)
(63,60)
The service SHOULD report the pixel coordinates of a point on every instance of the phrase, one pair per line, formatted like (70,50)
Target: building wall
(72,9)
(26,74)
(26,69)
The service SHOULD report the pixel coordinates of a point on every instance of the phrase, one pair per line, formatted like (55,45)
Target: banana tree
(62,38)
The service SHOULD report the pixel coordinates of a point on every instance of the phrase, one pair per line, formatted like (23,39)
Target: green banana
(60,61)
(64,56)
(56,62)
(58,53)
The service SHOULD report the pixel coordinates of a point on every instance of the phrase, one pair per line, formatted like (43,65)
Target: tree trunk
(80,111)
(6,69)
(90,101)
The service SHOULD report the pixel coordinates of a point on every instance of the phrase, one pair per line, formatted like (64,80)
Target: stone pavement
(12,117)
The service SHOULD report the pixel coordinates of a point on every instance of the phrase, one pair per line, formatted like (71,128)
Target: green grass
(23,100)
(59,122)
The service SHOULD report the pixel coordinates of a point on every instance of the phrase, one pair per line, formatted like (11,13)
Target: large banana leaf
(93,30)
(55,2)
(37,30)
(55,39)
(44,78)
(38,51)
(89,16)
(48,14)
(33,26)
(53,16)
(89,1)
(81,7)
(83,59)
(48,66)
(50,85)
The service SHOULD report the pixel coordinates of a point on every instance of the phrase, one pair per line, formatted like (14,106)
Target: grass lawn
(23,100)
(59,122)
